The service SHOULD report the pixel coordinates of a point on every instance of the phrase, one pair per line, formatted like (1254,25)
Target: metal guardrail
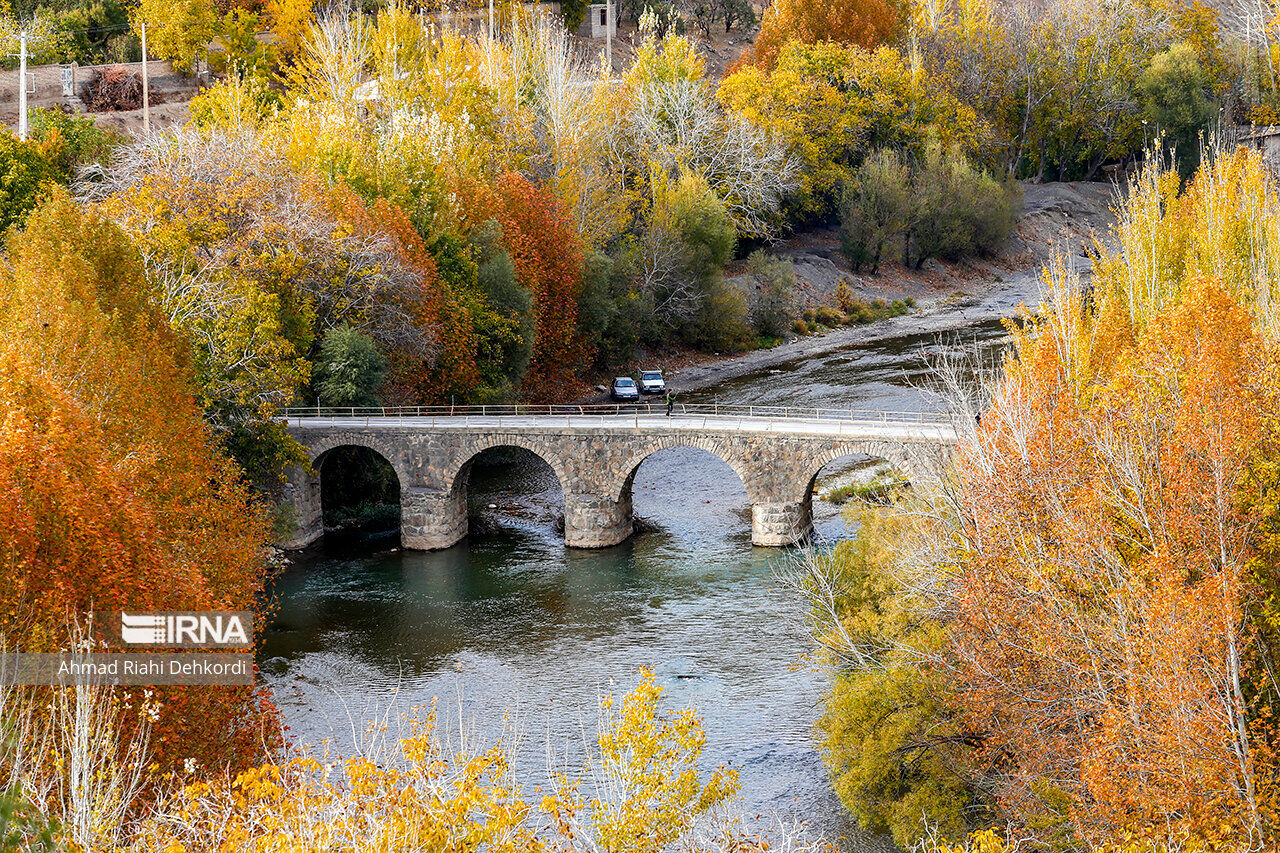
(603,413)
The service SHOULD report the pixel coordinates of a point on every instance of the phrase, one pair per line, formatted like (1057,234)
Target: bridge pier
(774,525)
(301,499)
(431,519)
(596,521)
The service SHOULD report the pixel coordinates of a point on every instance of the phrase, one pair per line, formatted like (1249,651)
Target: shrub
(234,103)
(643,790)
(828,316)
(960,210)
(771,308)
(879,490)
(71,141)
(875,209)
(723,325)
(800,327)
(845,298)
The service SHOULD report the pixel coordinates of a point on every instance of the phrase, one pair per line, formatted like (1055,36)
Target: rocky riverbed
(1058,218)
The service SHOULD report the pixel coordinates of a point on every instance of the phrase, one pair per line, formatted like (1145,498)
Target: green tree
(722,324)
(23,828)
(959,209)
(349,369)
(703,225)
(505,320)
(735,13)
(891,742)
(877,207)
(1176,98)
(89,27)
(574,12)
(613,315)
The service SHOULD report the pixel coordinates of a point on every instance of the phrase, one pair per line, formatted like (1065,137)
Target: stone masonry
(596,466)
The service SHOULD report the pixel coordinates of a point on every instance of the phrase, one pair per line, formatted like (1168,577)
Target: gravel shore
(1056,218)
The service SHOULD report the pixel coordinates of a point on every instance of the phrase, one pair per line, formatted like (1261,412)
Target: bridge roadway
(595,452)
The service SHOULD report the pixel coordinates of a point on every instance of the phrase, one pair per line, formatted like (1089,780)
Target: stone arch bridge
(595,452)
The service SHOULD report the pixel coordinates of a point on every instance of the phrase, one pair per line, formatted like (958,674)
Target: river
(512,621)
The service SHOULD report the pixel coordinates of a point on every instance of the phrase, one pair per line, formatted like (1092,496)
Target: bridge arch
(386,449)
(620,488)
(898,455)
(456,472)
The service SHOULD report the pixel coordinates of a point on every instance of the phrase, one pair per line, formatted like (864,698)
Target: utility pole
(22,86)
(146,85)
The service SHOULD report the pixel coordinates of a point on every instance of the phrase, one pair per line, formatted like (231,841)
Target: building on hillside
(1264,138)
(598,22)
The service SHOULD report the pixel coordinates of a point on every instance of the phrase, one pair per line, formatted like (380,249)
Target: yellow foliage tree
(177,30)
(290,20)
(417,795)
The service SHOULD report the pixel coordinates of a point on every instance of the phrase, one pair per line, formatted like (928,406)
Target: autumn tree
(675,123)
(178,31)
(898,751)
(547,259)
(1056,83)
(25,176)
(865,23)
(254,262)
(833,104)
(1110,594)
(1071,638)
(290,20)
(114,493)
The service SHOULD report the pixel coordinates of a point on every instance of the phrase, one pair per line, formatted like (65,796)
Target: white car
(651,382)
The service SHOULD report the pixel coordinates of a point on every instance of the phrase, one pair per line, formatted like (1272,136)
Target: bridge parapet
(595,455)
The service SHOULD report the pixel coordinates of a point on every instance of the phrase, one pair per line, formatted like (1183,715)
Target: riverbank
(1061,218)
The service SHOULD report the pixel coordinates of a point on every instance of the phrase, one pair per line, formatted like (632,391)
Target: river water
(511,622)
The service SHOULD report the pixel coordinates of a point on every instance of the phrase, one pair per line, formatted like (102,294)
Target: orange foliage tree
(866,23)
(548,257)
(112,493)
(1100,626)
(1109,586)
(453,371)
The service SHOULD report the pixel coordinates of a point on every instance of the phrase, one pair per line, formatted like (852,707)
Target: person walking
(671,401)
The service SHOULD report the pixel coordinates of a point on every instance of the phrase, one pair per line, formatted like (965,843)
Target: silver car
(624,389)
